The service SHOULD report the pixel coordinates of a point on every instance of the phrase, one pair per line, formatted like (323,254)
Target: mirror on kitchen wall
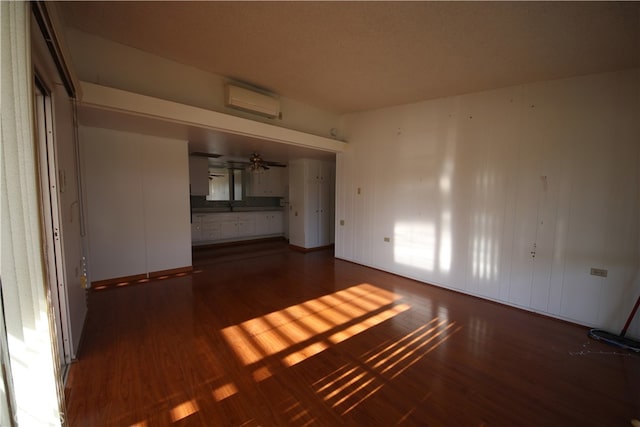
(225,184)
(236,184)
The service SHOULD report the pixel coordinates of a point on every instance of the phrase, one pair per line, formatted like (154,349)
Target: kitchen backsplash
(248,202)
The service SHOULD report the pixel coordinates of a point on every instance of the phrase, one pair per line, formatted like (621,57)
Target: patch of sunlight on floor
(314,324)
(183,410)
(262,373)
(224,391)
(353,383)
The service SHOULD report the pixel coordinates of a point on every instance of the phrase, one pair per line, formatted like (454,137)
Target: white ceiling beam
(107,98)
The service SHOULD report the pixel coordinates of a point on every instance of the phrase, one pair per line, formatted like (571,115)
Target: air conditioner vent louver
(252,102)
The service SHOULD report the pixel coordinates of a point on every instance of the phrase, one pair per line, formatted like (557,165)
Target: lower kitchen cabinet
(269,223)
(208,228)
(196,230)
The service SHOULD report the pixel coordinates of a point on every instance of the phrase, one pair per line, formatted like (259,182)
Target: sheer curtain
(32,389)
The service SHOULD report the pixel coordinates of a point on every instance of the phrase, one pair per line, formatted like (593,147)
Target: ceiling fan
(257,164)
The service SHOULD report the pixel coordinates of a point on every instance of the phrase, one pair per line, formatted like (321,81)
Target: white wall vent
(250,101)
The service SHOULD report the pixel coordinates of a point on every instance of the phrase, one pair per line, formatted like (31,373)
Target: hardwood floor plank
(262,335)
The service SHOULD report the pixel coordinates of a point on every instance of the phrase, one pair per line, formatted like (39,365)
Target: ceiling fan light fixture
(255,168)
(256,164)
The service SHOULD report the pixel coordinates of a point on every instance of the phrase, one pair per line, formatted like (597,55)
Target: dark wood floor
(261,335)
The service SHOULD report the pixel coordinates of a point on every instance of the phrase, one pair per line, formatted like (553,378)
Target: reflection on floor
(261,335)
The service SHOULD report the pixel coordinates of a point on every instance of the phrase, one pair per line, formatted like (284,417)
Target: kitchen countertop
(235,209)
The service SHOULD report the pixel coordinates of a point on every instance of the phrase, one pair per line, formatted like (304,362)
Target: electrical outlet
(387,239)
(342,222)
(600,272)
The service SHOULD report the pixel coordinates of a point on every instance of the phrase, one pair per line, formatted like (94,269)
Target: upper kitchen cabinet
(199,175)
(267,183)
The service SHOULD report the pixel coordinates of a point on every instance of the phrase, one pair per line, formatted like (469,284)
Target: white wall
(467,187)
(69,199)
(148,74)
(137,190)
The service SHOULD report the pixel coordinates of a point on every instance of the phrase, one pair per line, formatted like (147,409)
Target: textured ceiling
(352,56)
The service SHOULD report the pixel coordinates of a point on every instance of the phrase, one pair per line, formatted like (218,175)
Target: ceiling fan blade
(275,164)
(201,154)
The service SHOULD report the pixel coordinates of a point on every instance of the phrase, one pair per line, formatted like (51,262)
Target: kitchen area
(234,201)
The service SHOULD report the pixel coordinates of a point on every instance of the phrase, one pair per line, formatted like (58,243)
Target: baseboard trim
(127,280)
(170,272)
(116,280)
(307,250)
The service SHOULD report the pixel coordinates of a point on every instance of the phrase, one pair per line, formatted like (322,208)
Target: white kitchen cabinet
(246,226)
(229,225)
(270,223)
(228,230)
(276,223)
(196,228)
(278,182)
(199,176)
(209,228)
(311,203)
(255,184)
(268,183)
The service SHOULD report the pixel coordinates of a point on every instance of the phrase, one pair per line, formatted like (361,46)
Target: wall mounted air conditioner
(250,101)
